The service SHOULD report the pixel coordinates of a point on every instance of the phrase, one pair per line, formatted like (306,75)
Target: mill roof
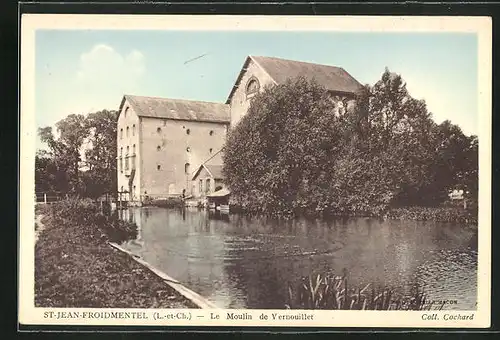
(333,78)
(178,109)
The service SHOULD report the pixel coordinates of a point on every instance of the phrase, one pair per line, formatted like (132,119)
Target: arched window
(158,167)
(121,133)
(125,113)
(186,168)
(127,132)
(121,152)
(127,150)
(252,87)
(133,130)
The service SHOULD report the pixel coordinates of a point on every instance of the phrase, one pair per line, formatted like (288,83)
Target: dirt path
(39,226)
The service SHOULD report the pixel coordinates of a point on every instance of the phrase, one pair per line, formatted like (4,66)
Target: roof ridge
(301,62)
(175,99)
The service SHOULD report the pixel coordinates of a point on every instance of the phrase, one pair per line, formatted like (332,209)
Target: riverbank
(76,267)
(437,214)
(449,214)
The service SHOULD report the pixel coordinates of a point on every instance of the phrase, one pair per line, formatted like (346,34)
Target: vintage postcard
(255,171)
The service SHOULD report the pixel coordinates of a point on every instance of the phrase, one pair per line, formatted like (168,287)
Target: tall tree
(100,156)
(82,154)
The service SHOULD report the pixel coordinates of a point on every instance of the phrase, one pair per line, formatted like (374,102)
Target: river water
(241,262)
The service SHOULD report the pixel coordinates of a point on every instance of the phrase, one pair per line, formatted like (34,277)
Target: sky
(82,71)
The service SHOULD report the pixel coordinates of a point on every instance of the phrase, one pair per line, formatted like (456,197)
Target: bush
(171,202)
(441,214)
(89,224)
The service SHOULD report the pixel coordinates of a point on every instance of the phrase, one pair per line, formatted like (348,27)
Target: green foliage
(62,169)
(442,214)
(171,202)
(93,224)
(298,152)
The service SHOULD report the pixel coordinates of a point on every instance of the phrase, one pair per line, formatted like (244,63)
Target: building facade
(161,141)
(259,72)
(206,180)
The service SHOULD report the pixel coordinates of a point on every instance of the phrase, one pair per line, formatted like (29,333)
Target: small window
(158,148)
(188,131)
(126,110)
(207,188)
(210,150)
(158,167)
(127,132)
(127,150)
(188,149)
(121,151)
(133,150)
(186,168)
(211,133)
(158,130)
(121,189)
(121,133)
(134,188)
(133,130)
(252,87)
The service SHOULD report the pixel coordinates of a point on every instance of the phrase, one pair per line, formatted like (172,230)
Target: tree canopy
(81,155)
(296,151)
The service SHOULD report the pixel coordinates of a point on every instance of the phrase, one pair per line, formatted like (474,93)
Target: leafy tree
(293,152)
(282,146)
(63,168)
(100,156)
(66,148)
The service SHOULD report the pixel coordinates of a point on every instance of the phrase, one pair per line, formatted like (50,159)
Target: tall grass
(334,293)
(90,224)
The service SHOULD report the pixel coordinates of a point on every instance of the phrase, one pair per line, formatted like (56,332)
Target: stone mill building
(162,143)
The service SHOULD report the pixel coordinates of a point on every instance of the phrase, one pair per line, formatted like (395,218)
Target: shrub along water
(76,267)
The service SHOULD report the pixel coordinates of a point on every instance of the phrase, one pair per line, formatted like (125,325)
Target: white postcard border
(28,314)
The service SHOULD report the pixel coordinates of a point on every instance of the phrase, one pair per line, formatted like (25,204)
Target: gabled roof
(178,109)
(334,79)
(214,170)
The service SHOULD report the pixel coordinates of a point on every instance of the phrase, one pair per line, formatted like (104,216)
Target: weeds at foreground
(334,293)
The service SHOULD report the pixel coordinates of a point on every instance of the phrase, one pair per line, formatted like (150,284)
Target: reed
(334,292)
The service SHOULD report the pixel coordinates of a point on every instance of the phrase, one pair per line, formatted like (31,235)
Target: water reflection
(245,262)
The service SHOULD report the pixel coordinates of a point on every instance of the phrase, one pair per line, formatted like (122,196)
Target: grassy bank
(451,214)
(172,202)
(439,214)
(75,267)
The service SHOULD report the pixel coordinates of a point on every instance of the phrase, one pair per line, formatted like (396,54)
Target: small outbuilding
(207,179)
